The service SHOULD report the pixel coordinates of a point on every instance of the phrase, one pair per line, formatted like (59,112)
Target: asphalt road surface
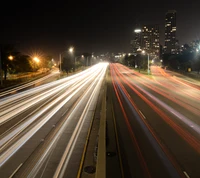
(154,121)
(43,129)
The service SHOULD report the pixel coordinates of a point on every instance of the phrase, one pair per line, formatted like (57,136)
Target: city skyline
(89,26)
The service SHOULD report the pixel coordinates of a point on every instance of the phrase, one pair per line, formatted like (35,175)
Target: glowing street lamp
(71,49)
(36,59)
(10,57)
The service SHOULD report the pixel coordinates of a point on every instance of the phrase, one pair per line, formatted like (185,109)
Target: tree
(6,50)
(66,63)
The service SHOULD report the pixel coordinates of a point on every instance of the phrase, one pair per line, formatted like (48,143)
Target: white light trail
(89,75)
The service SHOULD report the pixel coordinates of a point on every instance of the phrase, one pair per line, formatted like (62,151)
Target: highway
(155,122)
(53,75)
(43,129)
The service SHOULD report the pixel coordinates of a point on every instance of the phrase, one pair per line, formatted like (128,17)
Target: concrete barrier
(101,152)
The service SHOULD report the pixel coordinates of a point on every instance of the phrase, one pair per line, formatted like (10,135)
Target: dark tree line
(187,59)
(19,62)
(139,60)
(68,62)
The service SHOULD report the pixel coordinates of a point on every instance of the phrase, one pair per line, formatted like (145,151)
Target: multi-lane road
(43,129)
(153,125)
(156,123)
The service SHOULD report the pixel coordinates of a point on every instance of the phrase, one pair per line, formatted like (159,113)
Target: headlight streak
(14,98)
(167,160)
(41,79)
(24,125)
(25,85)
(69,149)
(72,141)
(55,139)
(17,109)
(190,139)
(13,149)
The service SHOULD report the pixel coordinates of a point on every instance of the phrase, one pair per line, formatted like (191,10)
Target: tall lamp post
(148,71)
(71,50)
(60,57)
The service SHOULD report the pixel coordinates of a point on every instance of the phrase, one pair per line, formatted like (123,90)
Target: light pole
(71,50)
(147,61)
(60,57)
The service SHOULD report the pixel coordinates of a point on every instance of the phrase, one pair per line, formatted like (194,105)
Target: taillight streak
(156,143)
(192,141)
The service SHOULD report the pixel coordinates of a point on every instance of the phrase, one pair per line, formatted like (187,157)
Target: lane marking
(64,112)
(15,170)
(142,114)
(186,174)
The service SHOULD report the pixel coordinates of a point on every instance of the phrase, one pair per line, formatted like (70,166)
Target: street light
(148,61)
(71,49)
(36,59)
(10,57)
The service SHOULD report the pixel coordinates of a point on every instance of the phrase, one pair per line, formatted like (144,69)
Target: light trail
(93,75)
(30,120)
(4,93)
(173,97)
(94,90)
(133,137)
(168,161)
(191,140)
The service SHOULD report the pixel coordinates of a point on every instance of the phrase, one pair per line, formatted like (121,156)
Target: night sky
(90,26)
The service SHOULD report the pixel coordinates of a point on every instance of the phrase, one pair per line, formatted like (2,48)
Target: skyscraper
(136,42)
(170,32)
(150,39)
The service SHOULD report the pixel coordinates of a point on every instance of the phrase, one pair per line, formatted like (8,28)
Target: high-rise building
(136,42)
(150,39)
(170,32)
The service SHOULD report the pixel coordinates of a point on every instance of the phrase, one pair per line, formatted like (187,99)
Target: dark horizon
(90,27)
